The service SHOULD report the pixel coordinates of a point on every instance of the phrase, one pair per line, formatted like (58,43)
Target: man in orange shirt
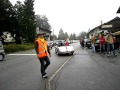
(42,51)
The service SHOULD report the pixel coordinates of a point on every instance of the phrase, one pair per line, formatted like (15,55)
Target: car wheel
(1,57)
(57,52)
(72,53)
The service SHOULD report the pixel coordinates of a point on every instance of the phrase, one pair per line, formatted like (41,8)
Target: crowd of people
(106,43)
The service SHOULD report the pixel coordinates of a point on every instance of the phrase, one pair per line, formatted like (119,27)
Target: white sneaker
(45,76)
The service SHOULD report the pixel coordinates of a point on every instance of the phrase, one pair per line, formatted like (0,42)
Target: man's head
(110,33)
(41,35)
(91,34)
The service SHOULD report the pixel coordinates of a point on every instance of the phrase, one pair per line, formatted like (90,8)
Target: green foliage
(28,21)
(73,36)
(19,19)
(7,16)
(17,47)
(42,22)
(61,35)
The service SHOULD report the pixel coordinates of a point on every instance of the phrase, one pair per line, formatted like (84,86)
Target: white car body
(64,50)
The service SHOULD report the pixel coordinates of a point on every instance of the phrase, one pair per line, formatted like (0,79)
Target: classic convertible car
(60,48)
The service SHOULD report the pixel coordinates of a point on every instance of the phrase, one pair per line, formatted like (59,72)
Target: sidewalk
(87,72)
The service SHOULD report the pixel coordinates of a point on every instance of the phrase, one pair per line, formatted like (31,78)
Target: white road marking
(48,87)
(21,54)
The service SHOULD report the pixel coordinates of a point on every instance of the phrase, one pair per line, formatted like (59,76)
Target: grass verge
(17,47)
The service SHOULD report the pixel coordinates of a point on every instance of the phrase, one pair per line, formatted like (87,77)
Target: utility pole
(53,36)
(101,22)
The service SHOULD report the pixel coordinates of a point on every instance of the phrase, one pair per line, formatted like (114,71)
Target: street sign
(106,26)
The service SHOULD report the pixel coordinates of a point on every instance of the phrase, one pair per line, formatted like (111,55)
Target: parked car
(50,45)
(60,48)
(97,44)
(2,52)
(87,43)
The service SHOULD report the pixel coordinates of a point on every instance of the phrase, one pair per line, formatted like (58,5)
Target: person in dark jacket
(42,50)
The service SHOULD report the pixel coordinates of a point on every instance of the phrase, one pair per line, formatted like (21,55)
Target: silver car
(2,52)
(60,48)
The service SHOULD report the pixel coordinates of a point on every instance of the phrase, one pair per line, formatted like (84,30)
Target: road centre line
(21,54)
(47,86)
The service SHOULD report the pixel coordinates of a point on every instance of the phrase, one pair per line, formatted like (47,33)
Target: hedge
(17,47)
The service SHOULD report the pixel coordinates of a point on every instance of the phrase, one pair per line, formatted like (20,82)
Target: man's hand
(38,55)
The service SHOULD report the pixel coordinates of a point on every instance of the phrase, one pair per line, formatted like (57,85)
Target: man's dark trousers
(45,62)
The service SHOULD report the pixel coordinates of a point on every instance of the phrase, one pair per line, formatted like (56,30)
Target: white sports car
(62,49)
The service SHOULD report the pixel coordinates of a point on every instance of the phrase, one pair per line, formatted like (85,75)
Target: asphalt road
(89,71)
(21,70)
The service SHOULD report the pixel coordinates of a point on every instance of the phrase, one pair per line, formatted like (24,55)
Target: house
(93,31)
(118,11)
(112,25)
(47,32)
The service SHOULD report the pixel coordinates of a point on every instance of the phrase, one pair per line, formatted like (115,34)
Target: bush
(17,47)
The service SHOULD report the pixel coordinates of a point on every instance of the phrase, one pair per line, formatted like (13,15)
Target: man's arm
(48,50)
(36,47)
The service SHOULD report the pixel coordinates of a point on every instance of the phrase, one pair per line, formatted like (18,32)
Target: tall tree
(7,16)
(42,22)
(82,35)
(71,36)
(74,36)
(61,35)
(28,22)
(19,8)
(66,35)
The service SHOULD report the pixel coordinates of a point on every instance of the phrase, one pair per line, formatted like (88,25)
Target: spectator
(66,43)
(110,43)
(93,42)
(102,43)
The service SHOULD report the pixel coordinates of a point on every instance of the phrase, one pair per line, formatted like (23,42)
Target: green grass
(17,47)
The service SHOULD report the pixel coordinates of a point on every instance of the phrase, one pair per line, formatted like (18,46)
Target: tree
(66,35)
(74,36)
(71,36)
(7,17)
(82,35)
(61,35)
(19,8)
(42,22)
(28,21)
(53,37)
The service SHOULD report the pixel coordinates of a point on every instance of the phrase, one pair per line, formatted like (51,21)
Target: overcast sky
(74,16)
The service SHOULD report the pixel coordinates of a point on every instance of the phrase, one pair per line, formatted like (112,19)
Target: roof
(118,11)
(113,22)
(45,30)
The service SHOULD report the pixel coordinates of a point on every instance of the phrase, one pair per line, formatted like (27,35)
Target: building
(112,25)
(47,32)
(118,11)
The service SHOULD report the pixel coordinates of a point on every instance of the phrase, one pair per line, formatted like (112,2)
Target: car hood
(66,48)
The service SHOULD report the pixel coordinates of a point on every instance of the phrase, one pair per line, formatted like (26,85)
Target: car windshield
(60,43)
